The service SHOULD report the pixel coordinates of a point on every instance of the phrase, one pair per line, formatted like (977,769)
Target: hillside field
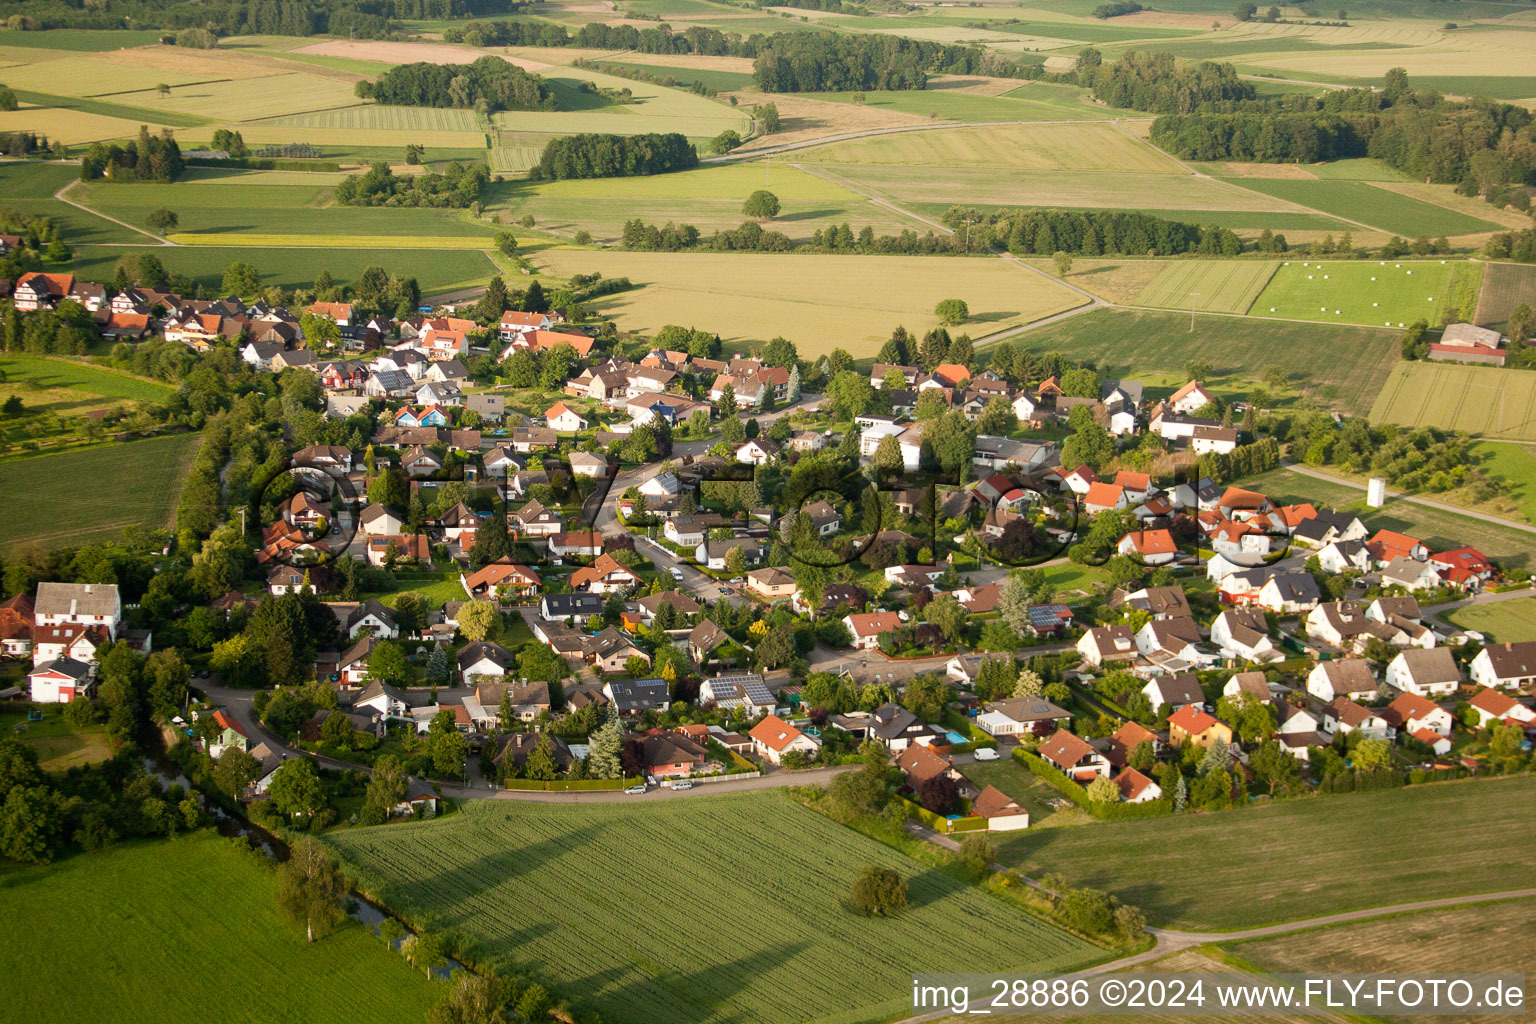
(1027,147)
(707,910)
(1482,400)
(76,497)
(436,270)
(1386,293)
(149,909)
(818,302)
(1219,871)
(1379,207)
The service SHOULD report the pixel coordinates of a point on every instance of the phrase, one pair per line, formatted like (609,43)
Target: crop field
(1220,286)
(818,302)
(1339,367)
(71,127)
(1364,202)
(1372,292)
(436,270)
(1026,147)
(88,40)
(1505,286)
(374,117)
(144,941)
(250,98)
(88,495)
(1505,622)
(353,141)
(1034,102)
(90,75)
(1494,937)
(1447,197)
(579,891)
(655,109)
(1481,400)
(1217,871)
(106,108)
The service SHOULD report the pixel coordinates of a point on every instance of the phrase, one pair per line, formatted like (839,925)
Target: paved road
(1400,496)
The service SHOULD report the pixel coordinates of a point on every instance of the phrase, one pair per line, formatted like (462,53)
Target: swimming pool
(955,737)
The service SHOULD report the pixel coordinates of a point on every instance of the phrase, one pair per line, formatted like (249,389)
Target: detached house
(866,628)
(1191,725)
(1413,714)
(1242,634)
(773,737)
(1506,666)
(1427,673)
(606,575)
(1493,706)
(1349,678)
(1073,756)
(1104,644)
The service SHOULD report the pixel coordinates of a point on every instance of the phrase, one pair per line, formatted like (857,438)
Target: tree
(1103,791)
(997,418)
(386,785)
(473,999)
(978,852)
(761,205)
(725,141)
(1131,923)
(879,892)
(241,279)
(1087,910)
(1029,683)
(1273,766)
(31,823)
(414,153)
(952,311)
(888,458)
(603,760)
(855,794)
(387,663)
(946,612)
(478,620)
(1063,261)
(311,891)
(793,393)
(235,770)
(162,220)
(389,488)
(541,762)
(1371,754)
(295,788)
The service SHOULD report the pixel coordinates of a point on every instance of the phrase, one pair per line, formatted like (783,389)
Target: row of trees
(149,158)
(487,85)
(843,62)
(458,187)
(1087,233)
(591,155)
(360,19)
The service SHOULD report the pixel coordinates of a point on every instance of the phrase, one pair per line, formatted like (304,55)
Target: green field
(59,745)
(89,495)
(106,109)
(1478,399)
(1365,203)
(1514,466)
(374,117)
(1505,286)
(64,373)
(1027,147)
(1340,367)
(1219,286)
(709,909)
(1371,292)
(1249,222)
(721,81)
(1034,102)
(436,270)
(37,182)
(149,909)
(78,39)
(1506,621)
(1221,871)
(818,302)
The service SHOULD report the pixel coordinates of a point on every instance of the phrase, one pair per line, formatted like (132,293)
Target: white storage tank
(1376,493)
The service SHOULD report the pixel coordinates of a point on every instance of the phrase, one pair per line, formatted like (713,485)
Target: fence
(707,779)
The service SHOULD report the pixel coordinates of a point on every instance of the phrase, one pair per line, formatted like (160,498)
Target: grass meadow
(59,745)
(94,380)
(148,909)
(1219,871)
(1514,465)
(89,495)
(709,909)
(818,302)
(1505,621)
(1505,286)
(1371,292)
(1339,367)
(1379,207)
(1219,286)
(436,270)
(1033,102)
(1483,400)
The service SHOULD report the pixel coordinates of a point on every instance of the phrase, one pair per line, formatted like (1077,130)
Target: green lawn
(1340,367)
(1378,207)
(148,910)
(1299,858)
(89,40)
(1026,788)
(95,380)
(59,745)
(705,909)
(1441,530)
(1515,467)
(90,495)
(436,270)
(1504,621)
(435,588)
(1374,292)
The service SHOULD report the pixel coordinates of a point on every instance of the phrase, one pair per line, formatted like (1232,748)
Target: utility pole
(1192,297)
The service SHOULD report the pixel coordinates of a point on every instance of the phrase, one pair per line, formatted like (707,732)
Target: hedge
(1078,795)
(938,823)
(563,784)
(263,163)
(963,725)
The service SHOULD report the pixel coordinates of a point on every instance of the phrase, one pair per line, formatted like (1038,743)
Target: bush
(879,892)
(1087,910)
(952,311)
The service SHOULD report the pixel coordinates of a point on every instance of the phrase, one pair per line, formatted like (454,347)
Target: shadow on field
(694,995)
(993,317)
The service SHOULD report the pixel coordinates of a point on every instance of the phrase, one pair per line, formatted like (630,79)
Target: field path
(1426,502)
(59,195)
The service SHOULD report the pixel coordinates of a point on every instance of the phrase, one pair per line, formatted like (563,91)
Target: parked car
(636,790)
(738,579)
(987,754)
(677,573)
(683,784)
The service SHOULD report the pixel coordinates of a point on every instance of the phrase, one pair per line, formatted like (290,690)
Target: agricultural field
(1481,400)
(1339,367)
(1372,292)
(93,380)
(818,302)
(85,40)
(1025,147)
(375,117)
(1503,621)
(1365,203)
(77,497)
(251,98)
(1505,286)
(1493,937)
(35,183)
(436,270)
(1514,466)
(71,127)
(577,891)
(1216,871)
(1218,286)
(106,108)
(139,903)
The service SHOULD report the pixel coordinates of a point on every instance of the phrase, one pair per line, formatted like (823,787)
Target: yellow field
(248,99)
(1041,147)
(69,126)
(374,117)
(818,302)
(1449,53)
(263,135)
(1220,286)
(331,241)
(1478,399)
(719,181)
(81,75)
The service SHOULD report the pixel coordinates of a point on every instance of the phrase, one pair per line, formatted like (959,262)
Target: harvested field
(1505,286)
(1218,286)
(1370,292)
(1026,147)
(251,98)
(374,117)
(71,127)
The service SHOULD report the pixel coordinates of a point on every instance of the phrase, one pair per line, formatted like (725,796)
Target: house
(712,553)
(1327,526)
(867,628)
(16,624)
(82,604)
(1104,497)
(1107,644)
(534,520)
(482,659)
(1190,398)
(995,452)
(1175,643)
(59,681)
(1410,713)
(1002,813)
(745,692)
(682,603)
(69,640)
(1505,666)
(1124,740)
(773,737)
(704,639)
(1017,716)
(1239,542)
(1191,725)
(631,697)
(1163,602)
(267,765)
(532,439)
(1300,731)
(491,581)
(384,699)
(1153,547)
(1424,672)
(1493,706)
(1467,568)
(562,417)
(1136,788)
(1389,545)
(559,607)
(459,523)
(757,452)
(771,583)
(1073,756)
(352,664)
(35,290)
(373,617)
(515,324)
(380,521)
(420,800)
(825,520)
(689,531)
(667,754)
(1345,625)
(1351,677)
(1341,556)
(420,462)
(919,764)
(585,544)
(1410,574)
(589,464)
(490,408)
(1254,684)
(1242,634)
(407,547)
(1345,716)
(606,575)
(230,736)
(610,651)
(1177,691)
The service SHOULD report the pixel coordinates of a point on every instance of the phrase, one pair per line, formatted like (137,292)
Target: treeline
(696,39)
(1158,83)
(363,19)
(840,62)
(487,85)
(24,144)
(457,187)
(615,156)
(753,237)
(1116,9)
(1243,461)
(1089,233)
(1513,245)
(150,158)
